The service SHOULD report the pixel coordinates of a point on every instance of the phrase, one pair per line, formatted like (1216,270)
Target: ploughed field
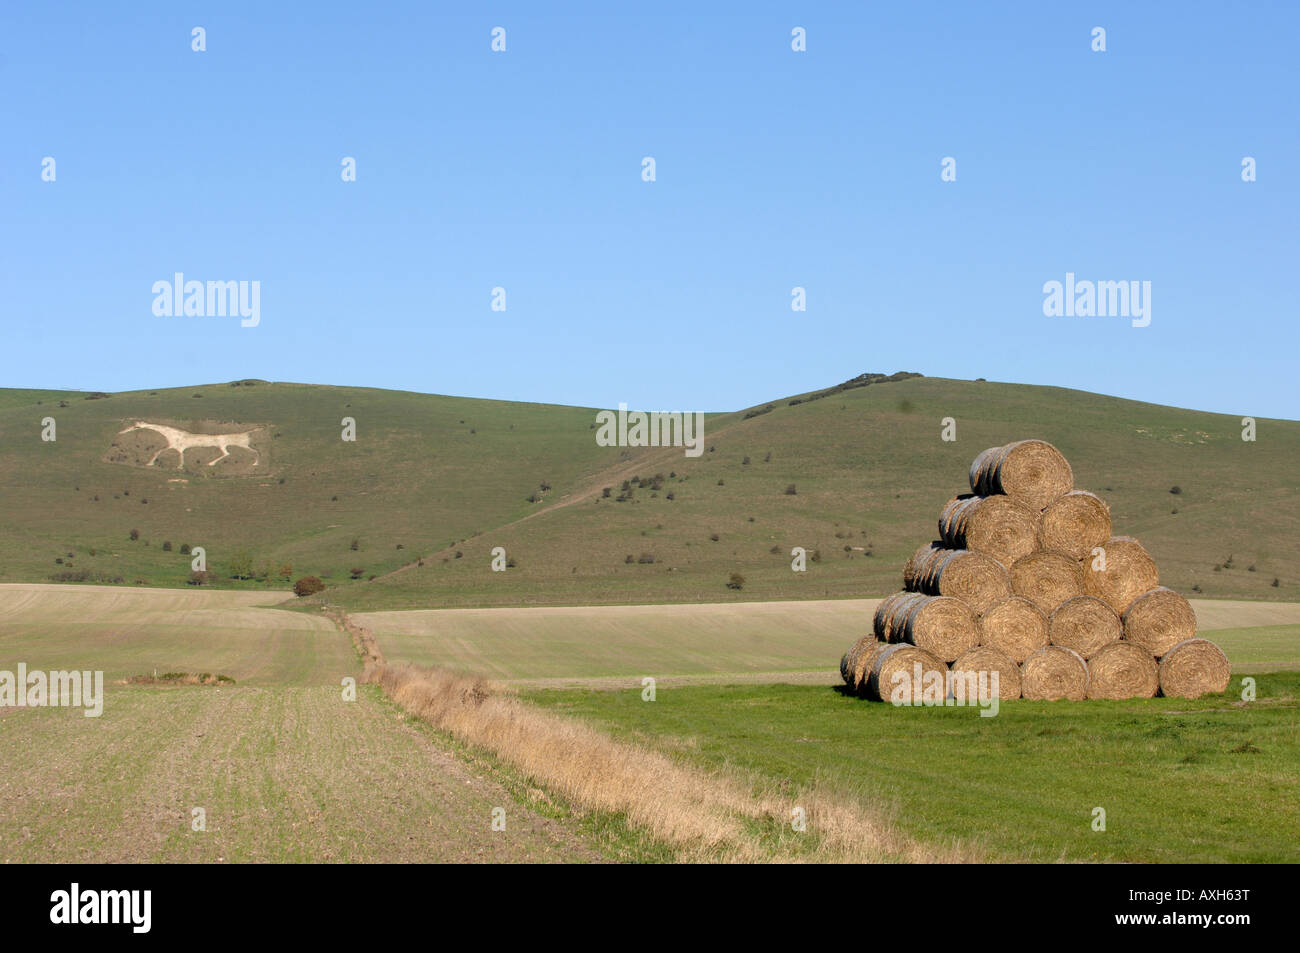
(283,768)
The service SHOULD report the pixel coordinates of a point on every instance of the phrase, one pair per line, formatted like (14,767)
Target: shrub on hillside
(167,545)
(200,578)
(240,566)
(135,534)
(737,581)
(185,549)
(357,572)
(790,490)
(308,585)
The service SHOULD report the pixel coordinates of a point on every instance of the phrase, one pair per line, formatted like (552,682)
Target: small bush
(135,534)
(167,545)
(646,559)
(714,536)
(736,581)
(628,559)
(1175,490)
(790,490)
(307,586)
(200,578)
(1276,583)
(355,545)
(185,549)
(240,566)
(357,572)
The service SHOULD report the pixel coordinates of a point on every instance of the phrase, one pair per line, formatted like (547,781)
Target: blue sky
(775,169)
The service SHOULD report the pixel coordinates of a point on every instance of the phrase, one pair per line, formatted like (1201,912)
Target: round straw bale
(887,682)
(1046,579)
(1074,524)
(1014,626)
(996,525)
(1158,620)
(1130,571)
(1122,670)
(1052,673)
(850,657)
(1194,668)
(939,624)
(988,659)
(1032,471)
(980,468)
(1084,624)
(976,578)
(862,665)
(917,561)
(890,612)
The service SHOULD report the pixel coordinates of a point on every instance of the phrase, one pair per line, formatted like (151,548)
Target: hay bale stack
(1194,668)
(996,525)
(1084,624)
(1053,673)
(1030,471)
(977,578)
(1122,670)
(1047,579)
(1010,587)
(1130,571)
(941,625)
(987,658)
(1158,620)
(898,660)
(1014,626)
(918,559)
(1075,524)
(890,612)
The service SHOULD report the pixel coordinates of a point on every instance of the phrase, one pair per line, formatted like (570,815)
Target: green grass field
(1206,781)
(741,639)
(439,476)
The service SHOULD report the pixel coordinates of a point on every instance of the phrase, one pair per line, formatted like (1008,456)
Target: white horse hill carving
(182,440)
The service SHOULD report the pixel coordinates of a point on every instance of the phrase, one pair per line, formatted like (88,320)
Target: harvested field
(614,646)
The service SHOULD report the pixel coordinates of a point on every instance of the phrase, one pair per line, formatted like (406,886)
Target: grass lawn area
(1211,780)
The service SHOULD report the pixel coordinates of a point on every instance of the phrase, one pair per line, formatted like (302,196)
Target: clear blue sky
(774,169)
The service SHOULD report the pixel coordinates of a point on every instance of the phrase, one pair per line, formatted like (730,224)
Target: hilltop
(856,474)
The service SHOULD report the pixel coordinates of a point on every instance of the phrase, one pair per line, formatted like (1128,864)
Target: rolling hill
(433,483)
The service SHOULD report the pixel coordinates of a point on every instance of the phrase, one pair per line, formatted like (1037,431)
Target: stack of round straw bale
(1029,581)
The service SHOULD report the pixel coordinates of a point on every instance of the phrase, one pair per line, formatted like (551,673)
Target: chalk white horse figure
(182,440)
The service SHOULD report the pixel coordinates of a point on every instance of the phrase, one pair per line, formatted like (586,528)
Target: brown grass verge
(701,815)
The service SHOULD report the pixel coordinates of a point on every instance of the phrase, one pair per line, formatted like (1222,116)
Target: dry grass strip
(703,816)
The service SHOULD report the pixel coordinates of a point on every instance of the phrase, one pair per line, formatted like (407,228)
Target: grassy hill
(439,475)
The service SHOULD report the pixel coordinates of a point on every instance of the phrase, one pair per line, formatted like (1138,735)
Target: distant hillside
(437,476)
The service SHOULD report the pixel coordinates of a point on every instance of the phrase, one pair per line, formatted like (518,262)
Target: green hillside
(440,475)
